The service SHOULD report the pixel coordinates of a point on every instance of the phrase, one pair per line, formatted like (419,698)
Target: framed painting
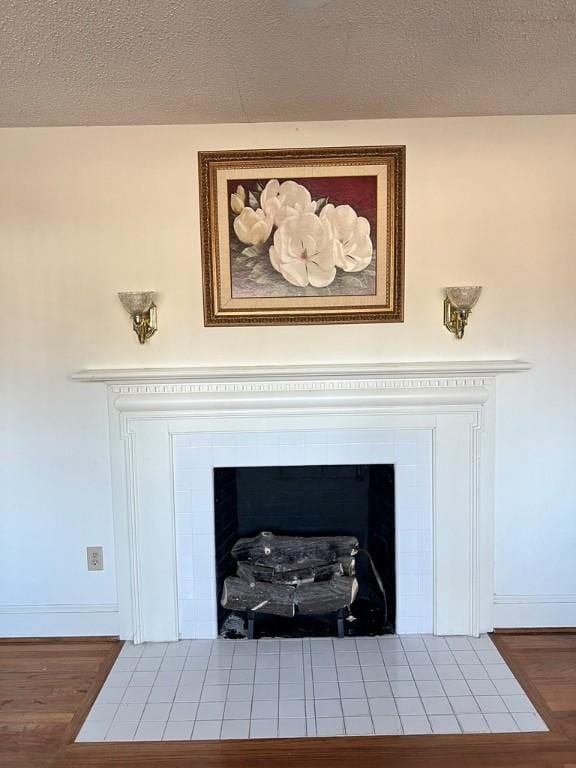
(303,235)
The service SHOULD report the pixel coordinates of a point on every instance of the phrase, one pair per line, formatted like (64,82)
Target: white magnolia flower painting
(302,235)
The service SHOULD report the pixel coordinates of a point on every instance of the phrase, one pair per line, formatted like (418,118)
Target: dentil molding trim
(356,385)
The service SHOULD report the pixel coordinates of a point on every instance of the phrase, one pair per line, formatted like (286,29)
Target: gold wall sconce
(141,308)
(458,305)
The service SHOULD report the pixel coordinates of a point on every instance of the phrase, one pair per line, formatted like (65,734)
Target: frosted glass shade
(464,296)
(137,302)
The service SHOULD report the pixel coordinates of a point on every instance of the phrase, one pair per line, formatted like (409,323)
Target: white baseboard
(58,620)
(534,611)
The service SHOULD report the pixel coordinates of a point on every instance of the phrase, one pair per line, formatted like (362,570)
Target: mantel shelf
(251,373)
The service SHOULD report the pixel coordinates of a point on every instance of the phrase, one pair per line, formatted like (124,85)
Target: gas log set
(290,575)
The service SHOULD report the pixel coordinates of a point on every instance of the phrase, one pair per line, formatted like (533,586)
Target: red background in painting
(356,191)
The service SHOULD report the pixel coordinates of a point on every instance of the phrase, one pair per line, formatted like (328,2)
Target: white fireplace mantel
(150,408)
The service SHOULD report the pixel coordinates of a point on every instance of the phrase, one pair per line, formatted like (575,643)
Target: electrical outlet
(95,558)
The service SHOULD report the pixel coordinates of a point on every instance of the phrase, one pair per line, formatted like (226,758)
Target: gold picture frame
(303,236)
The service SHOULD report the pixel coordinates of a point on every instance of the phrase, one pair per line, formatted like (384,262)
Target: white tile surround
(196,455)
(169,427)
(226,689)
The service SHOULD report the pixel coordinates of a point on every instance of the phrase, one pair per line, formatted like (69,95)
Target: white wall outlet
(95,558)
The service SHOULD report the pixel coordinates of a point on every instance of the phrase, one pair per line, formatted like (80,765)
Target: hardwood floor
(47,687)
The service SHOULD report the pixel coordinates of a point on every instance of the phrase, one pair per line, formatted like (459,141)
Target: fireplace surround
(331,439)
(169,428)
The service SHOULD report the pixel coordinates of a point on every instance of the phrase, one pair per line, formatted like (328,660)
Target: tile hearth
(290,688)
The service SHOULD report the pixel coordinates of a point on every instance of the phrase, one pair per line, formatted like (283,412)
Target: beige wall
(86,212)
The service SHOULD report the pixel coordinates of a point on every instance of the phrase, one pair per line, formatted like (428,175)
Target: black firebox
(331,500)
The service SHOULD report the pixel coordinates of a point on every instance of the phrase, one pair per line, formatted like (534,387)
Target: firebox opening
(336,500)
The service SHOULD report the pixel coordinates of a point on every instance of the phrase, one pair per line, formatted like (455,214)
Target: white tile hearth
(261,689)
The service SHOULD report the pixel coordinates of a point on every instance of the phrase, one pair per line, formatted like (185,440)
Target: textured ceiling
(102,62)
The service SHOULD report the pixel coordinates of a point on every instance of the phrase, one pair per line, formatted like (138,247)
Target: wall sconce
(141,308)
(458,305)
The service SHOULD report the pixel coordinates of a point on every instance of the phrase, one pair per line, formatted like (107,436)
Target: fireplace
(170,429)
(355,500)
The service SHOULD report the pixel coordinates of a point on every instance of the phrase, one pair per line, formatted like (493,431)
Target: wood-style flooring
(47,687)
